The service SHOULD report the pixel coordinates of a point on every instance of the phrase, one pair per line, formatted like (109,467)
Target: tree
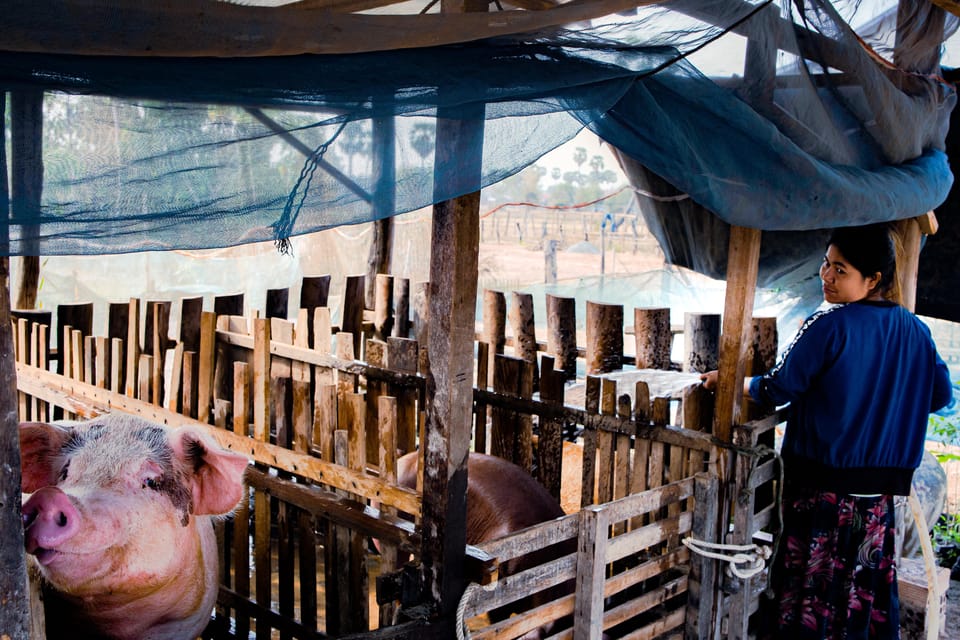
(423,139)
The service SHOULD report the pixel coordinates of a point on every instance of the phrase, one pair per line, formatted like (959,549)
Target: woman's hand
(709,380)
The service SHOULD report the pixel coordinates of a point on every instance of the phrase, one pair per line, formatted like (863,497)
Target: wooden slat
(133,346)
(89,401)
(591,560)
(302,403)
(205,365)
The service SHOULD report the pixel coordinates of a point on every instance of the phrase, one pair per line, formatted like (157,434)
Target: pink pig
(119,522)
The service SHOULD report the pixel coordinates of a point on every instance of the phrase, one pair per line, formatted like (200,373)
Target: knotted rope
(462,632)
(752,556)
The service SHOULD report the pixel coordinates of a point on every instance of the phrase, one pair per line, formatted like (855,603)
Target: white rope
(752,556)
(462,632)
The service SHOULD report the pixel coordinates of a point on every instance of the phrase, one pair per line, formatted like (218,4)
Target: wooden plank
(89,359)
(205,365)
(188,401)
(241,561)
(277,303)
(78,364)
(116,364)
(401,295)
(605,443)
(562,333)
(281,389)
(325,413)
(133,346)
(550,444)
(230,304)
(314,292)
(145,378)
(89,401)
(702,599)
(383,316)
(403,357)
(191,310)
(591,562)
(742,266)
(102,349)
(262,559)
(482,411)
(505,426)
(261,380)
(591,405)
(176,379)
(376,356)
(351,318)
(301,384)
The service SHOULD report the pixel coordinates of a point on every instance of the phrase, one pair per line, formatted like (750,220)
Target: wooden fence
(324,428)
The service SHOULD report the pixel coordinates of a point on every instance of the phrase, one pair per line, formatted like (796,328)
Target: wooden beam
(742,266)
(26,178)
(15,612)
(455,240)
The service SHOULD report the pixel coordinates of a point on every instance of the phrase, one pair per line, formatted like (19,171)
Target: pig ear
(40,443)
(216,475)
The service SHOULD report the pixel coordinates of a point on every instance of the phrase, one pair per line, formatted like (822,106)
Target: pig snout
(49,520)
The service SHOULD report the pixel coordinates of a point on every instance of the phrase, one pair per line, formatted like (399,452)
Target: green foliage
(946,539)
(947,431)
(946,531)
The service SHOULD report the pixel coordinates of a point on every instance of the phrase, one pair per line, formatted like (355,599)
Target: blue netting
(155,154)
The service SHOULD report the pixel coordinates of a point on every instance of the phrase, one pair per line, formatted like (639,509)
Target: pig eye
(63,472)
(151,483)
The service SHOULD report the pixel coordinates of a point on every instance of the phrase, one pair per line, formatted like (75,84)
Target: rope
(754,556)
(462,632)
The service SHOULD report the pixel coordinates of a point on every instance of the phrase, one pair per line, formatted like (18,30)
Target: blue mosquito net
(778,116)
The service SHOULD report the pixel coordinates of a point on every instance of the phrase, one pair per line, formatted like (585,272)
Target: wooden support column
(381,245)
(26,178)
(911,233)
(742,265)
(449,377)
(15,612)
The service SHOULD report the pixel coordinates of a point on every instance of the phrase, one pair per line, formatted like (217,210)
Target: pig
(502,498)
(119,523)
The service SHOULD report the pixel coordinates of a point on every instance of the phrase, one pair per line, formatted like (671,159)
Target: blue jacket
(861,380)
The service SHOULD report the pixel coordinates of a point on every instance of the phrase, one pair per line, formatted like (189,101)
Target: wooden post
(562,333)
(742,265)
(15,614)
(455,239)
(524,330)
(701,342)
(351,318)
(494,324)
(26,178)
(651,331)
(383,306)
(604,337)
(401,294)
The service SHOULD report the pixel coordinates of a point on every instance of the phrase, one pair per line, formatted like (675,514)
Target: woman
(861,378)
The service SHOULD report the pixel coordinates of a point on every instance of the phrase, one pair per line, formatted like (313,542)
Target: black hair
(869,249)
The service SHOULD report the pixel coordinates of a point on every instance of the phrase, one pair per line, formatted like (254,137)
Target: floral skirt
(834,575)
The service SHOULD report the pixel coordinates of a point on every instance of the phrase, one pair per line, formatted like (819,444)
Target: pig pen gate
(323,427)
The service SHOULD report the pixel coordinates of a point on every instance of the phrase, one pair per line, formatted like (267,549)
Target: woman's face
(841,281)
